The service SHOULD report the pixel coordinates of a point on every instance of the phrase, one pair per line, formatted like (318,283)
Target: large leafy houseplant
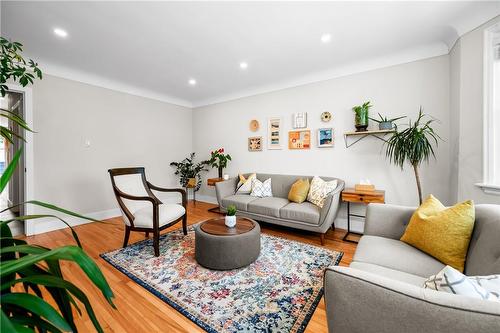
(31,274)
(189,171)
(413,145)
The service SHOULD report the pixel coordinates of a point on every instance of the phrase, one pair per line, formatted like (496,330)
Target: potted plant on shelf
(219,160)
(189,172)
(230,219)
(413,145)
(384,123)
(361,116)
(36,297)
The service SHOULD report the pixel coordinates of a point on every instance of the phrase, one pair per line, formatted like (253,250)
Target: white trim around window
(491,112)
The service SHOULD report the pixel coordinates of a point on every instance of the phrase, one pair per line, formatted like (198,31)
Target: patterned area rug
(277,293)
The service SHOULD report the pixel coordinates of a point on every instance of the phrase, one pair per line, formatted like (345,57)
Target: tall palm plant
(30,274)
(413,145)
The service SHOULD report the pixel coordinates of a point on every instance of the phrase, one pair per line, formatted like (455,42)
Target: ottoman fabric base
(227,251)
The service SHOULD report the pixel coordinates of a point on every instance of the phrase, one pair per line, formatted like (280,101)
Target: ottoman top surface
(216,226)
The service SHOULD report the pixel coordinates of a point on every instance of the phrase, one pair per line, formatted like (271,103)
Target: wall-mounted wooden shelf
(358,136)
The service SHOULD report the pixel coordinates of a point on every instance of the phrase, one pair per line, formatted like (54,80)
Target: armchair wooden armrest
(161,189)
(123,195)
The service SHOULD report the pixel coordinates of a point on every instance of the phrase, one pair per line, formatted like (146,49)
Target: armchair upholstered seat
(141,209)
(167,213)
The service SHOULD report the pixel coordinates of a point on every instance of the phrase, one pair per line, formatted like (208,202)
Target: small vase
(230,221)
(221,170)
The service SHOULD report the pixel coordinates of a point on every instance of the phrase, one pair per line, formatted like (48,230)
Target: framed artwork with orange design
(299,139)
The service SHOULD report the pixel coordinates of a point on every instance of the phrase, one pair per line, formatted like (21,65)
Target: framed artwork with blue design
(325,137)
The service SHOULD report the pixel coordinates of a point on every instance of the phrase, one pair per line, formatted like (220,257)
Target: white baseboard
(45,225)
(206,198)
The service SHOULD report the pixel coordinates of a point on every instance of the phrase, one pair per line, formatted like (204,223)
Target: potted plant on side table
(230,220)
(219,160)
(189,172)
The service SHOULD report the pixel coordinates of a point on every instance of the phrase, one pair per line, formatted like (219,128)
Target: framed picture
(299,139)
(299,120)
(275,128)
(325,137)
(255,143)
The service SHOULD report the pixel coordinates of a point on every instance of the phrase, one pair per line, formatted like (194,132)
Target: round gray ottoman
(220,247)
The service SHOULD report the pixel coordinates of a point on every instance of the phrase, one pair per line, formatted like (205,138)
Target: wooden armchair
(141,209)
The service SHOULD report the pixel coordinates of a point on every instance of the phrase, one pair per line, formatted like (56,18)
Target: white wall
(394,91)
(467,100)
(124,130)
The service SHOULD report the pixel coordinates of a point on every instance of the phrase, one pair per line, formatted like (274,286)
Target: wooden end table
(350,195)
(212,182)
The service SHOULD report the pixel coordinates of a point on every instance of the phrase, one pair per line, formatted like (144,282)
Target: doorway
(14,192)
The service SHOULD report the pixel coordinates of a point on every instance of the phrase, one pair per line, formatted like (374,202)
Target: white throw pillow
(245,184)
(261,189)
(452,281)
(319,190)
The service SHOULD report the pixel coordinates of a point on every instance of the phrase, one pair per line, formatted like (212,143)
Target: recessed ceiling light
(243,65)
(192,82)
(60,32)
(326,38)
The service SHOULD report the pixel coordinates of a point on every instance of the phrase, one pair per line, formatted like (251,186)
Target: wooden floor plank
(137,309)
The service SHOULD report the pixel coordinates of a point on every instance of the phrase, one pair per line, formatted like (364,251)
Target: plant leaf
(38,306)
(4,180)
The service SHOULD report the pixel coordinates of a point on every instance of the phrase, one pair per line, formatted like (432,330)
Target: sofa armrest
(387,220)
(225,188)
(330,209)
(358,301)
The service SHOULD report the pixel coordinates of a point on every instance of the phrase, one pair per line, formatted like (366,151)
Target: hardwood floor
(137,309)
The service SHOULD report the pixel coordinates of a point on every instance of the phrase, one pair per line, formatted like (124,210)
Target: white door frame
(29,181)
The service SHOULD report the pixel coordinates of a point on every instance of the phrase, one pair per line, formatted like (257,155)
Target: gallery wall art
(299,120)
(275,129)
(325,137)
(299,139)
(255,143)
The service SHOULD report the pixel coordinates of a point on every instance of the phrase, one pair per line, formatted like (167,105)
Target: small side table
(350,195)
(212,182)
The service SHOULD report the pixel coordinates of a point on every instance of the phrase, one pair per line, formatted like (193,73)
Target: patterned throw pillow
(261,189)
(319,190)
(452,281)
(245,184)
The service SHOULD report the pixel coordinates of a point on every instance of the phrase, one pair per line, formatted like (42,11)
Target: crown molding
(407,56)
(99,81)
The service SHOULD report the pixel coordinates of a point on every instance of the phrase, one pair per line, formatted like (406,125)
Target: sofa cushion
(396,255)
(239,200)
(389,273)
(303,212)
(483,257)
(269,206)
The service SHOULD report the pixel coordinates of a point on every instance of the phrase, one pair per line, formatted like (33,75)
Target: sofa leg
(322,238)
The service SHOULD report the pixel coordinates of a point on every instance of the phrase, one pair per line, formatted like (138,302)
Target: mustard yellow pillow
(441,232)
(299,190)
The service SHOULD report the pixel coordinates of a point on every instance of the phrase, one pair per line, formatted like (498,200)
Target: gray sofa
(382,290)
(278,209)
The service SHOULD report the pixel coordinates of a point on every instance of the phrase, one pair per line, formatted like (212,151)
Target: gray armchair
(382,290)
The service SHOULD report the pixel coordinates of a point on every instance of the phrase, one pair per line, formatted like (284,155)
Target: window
(491,151)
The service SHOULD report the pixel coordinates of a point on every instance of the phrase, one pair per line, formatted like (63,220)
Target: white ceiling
(154,48)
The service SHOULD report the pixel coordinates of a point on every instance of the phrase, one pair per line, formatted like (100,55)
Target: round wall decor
(326,116)
(254,125)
